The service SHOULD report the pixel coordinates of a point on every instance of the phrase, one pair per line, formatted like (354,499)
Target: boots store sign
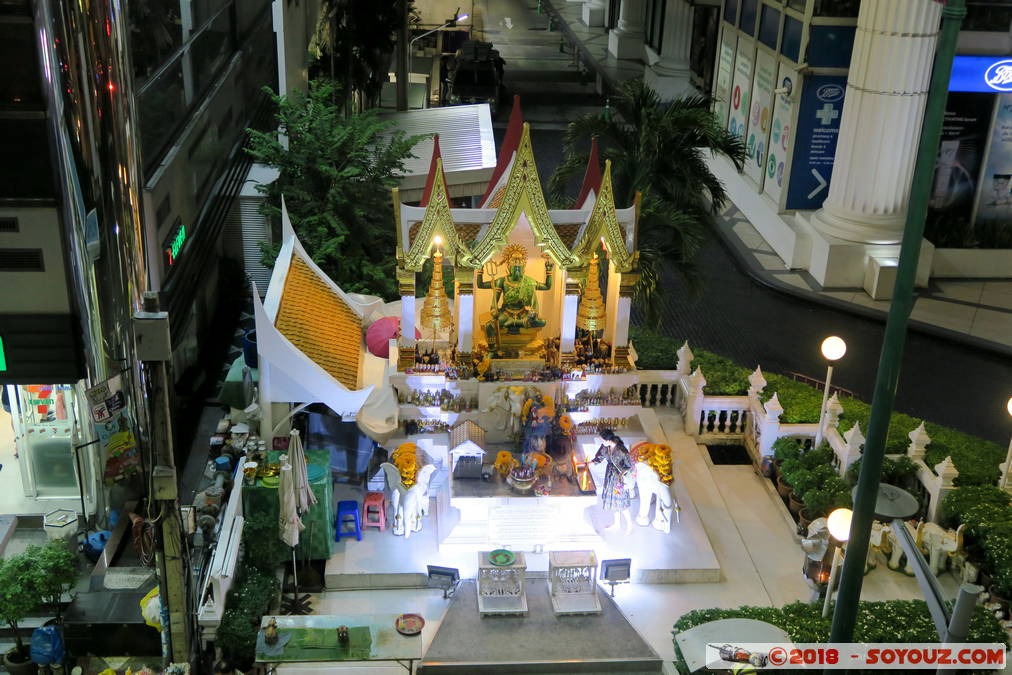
(981,73)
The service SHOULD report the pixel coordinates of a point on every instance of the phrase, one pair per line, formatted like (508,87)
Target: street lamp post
(838,524)
(887,378)
(1005,482)
(833,348)
(411,43)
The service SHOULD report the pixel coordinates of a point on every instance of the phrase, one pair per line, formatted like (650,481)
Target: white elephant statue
(896,553)
(935,541)
(878,542)
(652,489)
(408,504)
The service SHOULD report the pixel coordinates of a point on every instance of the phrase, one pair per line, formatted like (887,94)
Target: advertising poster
(114,428)
(760,112)
(722,81)
(741,86)
(818,128)
(781,132)
(992,227)
(957,169)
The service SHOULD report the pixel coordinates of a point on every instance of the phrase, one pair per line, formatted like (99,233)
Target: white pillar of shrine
(626,40)
(593,13)
(464,301)
(611,322)
(570,307)
(670,76)
(887,89)
(406,343)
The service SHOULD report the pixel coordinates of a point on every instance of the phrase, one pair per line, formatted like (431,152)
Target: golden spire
(590,316)
(436,314)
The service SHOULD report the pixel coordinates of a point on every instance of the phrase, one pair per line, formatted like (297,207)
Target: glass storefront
(45,419)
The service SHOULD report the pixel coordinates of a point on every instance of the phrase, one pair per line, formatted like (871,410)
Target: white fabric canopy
(290,525)
(304,496)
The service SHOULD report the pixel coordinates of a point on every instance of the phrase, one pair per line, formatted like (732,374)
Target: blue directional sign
(815,141)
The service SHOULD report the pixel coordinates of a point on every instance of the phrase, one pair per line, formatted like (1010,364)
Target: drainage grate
(729,454)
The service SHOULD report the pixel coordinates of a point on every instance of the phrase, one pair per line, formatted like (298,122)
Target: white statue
(508,402)
(408,504)
(652,489)
(895,550)
(878,542)
(935,540)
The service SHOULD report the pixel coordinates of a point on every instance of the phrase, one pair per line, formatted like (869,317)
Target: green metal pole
(845,613)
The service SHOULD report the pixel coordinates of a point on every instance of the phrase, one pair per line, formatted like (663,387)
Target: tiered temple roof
(473,236)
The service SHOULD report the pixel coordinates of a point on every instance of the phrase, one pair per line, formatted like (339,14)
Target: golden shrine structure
(520,269)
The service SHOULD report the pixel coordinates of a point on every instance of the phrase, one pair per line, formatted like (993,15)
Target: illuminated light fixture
(833,348)
(839,523)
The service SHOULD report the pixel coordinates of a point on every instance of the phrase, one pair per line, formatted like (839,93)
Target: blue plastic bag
(47,645)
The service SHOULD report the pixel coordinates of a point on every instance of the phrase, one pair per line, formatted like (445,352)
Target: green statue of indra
(514,300)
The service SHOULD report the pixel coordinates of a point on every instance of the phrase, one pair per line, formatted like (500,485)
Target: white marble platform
(382,560)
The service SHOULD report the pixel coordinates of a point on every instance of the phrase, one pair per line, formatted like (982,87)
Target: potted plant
(56,572)
(18,598)
(802,480)
(787,469)
(784,448)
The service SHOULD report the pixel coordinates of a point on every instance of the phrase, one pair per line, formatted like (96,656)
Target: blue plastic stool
(347,509)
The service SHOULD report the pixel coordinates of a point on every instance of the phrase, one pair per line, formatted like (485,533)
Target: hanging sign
(781,132)
(114,428)
(818,127)
(981,73)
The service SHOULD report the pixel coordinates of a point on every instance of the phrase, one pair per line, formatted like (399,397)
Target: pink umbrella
(377,336)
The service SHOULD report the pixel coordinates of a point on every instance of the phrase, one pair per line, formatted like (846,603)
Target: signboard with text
(741,87)
(781,132)
(722,81)
(818,127)
(760,112)
(114,428)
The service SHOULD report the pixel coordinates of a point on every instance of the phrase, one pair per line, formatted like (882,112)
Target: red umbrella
(377,336)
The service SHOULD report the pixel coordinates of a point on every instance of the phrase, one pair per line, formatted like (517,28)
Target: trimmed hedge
(889,621)
(976,459)
(987,513)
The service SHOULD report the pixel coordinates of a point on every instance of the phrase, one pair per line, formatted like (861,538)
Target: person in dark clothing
(618,478)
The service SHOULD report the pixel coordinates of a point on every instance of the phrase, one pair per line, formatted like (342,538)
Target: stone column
(670,76)
(626,40)
(593,13)
(406,286)
(882,113)
(464,300)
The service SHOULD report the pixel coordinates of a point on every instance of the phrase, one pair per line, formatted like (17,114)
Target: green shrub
(262,547)
(997,546)
(955,505)
(801,402)
(900,471)
(787,447)
(723,376)
(654,351)
(816,457)
(802,481)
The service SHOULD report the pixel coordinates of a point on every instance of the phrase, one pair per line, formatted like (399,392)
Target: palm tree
(660,149)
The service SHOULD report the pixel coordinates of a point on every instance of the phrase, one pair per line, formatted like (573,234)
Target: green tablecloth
(231,393)
(319,520)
